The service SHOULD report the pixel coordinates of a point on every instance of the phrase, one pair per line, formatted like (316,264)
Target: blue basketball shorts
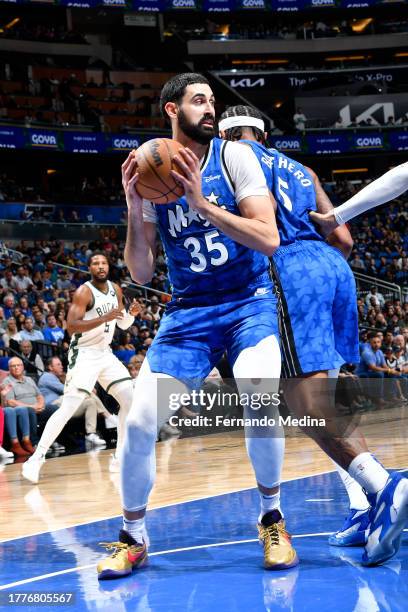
(317,308)
(195,332)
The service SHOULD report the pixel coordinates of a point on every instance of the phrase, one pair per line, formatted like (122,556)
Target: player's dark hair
(175,88)
(94,254)
(235,133)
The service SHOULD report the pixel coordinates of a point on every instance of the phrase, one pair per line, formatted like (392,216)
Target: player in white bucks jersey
(96,309)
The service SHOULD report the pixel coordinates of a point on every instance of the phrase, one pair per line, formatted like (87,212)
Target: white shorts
(88,366)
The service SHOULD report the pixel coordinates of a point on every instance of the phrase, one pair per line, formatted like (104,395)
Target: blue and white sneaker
(354,530)
(389,514)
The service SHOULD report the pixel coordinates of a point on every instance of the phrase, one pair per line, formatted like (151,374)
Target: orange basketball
(154,162)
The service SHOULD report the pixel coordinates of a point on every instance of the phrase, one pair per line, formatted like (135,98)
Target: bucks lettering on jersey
(293,189)
(100,337)
(200,258)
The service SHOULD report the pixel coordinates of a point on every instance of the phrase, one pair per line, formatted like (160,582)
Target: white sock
(135,528)
(357,497)
(368,472)
(269,502)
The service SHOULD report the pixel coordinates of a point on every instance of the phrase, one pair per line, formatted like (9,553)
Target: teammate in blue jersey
(217,240)
(319,333)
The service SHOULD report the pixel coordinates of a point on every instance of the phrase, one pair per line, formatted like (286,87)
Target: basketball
(154,163)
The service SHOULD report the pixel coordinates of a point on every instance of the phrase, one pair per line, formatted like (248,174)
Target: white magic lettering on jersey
(180,219)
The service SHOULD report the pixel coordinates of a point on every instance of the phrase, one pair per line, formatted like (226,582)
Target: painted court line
(187,501)
(154,554)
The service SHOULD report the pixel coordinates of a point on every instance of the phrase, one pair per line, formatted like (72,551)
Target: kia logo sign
(247,83)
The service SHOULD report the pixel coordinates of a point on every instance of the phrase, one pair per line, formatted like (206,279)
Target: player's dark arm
(255,228)
(339,237)
(140,247)
(75,319)
(134,309)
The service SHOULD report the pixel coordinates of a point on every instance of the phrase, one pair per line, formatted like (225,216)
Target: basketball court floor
(204,554)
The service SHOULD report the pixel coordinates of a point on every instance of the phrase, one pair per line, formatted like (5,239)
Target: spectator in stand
(16,418)
(374,297)
(381,322)
(24,307)
(33,364)
(52,333)
(7,280)
(9,305)
(392,365)
(39,321)
(356,263)
(373,365)
(299,119)
(11,333)
(20,391)
(63,281)
(154,309)
(29,333)
(388,341)
(21,282)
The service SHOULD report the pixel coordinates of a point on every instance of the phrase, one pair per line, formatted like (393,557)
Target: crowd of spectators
(287,29)
(80,189)
(35,295)
(290,29)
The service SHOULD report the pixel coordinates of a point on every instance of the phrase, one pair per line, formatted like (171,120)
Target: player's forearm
(258,235)
(389,186)
(79,326)
(139,257)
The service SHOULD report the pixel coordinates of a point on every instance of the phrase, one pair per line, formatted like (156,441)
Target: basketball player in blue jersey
(217,240)
(319,333)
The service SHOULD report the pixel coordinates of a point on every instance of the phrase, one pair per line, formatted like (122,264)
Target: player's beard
(101,279)
(197,132)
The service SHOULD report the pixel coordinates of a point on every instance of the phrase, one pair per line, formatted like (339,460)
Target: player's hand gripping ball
(155,160)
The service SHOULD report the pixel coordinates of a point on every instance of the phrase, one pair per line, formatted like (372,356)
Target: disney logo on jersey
(209,179)
(180,219)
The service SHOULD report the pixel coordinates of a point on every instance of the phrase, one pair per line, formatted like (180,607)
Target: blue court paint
(225,578)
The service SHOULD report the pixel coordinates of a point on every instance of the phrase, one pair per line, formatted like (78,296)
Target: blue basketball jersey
(200,258)
(293,189)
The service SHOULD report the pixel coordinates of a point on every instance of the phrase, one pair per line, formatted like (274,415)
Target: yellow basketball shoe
(127,555)
(279,553)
